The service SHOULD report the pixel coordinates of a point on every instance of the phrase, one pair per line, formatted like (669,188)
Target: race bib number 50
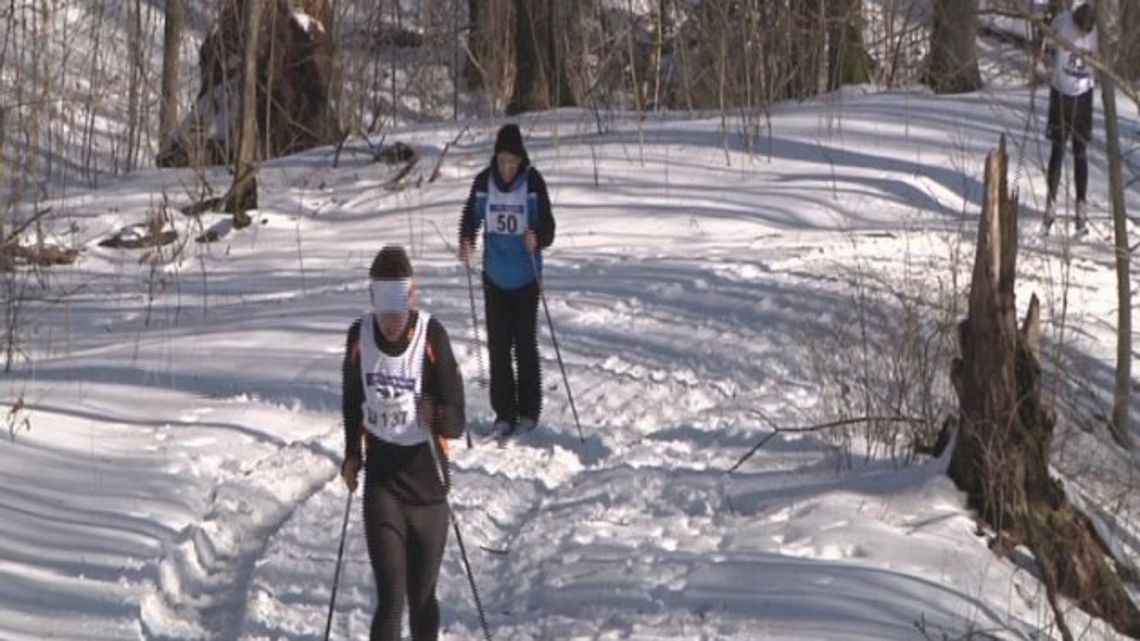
(507,221)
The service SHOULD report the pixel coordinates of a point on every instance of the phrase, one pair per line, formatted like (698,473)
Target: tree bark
(172,39)
(847,59)
(809,20)
(528,93)
(1001,458)
(243,192)
(472,75)
(953,63)
(1130,48)
(660,26)
(1120,425)
(541,81)
(134,83)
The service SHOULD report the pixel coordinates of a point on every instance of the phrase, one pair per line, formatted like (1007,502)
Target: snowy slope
(178,479)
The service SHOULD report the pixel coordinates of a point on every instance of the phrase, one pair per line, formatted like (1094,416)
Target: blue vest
(506,216)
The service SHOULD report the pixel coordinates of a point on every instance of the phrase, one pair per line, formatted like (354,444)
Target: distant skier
(1070,104)
(509,201)
(401,386)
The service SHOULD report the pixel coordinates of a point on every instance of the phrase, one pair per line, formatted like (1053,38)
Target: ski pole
(557,352)
(474,318)
(478,342)
(339,556)
(475,329)
(435,455)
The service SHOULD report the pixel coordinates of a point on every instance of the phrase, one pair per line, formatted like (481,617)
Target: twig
(394,183)
(439,161)
(817,428)
(27,223)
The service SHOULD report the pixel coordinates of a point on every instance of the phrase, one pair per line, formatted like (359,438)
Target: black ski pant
(1070,118)
(512,337)
(405,545)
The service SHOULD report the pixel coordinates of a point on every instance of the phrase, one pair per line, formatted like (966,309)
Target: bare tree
(541,81)
(530,87)
(1130,48)
(847,59)
(243,191)
(953,63)
(172,39)
(472,71)
(1109,38)
(808,22)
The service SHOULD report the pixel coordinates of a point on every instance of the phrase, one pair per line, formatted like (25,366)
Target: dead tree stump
(1001,457)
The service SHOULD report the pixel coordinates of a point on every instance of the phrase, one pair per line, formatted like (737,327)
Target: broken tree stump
(1001,457)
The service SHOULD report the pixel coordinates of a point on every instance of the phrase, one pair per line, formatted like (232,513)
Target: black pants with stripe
(405,545)
(512,337)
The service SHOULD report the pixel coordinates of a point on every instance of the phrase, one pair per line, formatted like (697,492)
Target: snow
(179,476)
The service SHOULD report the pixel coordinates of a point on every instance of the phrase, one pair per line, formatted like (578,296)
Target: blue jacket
(505,260)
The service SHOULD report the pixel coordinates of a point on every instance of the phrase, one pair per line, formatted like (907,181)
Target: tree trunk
(134,82)
(1109,39)
(660,25)
(808,19)
(172,39)
(243,192)
(953,63)
(528,93)
(1001,458)
(472,74)
(541,81)
(847,59)
(1130,48)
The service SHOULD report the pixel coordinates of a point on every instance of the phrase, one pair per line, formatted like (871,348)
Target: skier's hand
(531,240)
(425,413)
(349,471)
(466,251)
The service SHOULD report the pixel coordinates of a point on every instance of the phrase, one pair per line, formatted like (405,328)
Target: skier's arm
(352,395)
(545,229)
(469,221)
(444,384)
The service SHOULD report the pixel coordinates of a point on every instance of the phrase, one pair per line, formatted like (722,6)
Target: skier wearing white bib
(1070,104)
(401,387)
(509,201)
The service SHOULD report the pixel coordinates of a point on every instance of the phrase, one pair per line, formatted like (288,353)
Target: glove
(349,471)
(466,251)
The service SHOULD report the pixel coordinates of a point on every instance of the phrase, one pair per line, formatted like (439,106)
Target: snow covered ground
(178,478)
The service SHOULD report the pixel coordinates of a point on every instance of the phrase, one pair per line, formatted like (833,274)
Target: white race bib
(506,210)
(392,384)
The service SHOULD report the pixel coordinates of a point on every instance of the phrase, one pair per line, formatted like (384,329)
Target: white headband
(391,295)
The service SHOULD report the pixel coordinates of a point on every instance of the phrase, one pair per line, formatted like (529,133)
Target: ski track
(203,574)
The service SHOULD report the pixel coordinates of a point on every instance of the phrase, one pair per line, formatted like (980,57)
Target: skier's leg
(498,314)
(1055,131)
(1056,159)
(1082,133)
(385,532)
(526,348)
(1080,168)
(428,535)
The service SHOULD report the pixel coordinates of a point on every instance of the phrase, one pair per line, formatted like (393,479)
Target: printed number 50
(506,223)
